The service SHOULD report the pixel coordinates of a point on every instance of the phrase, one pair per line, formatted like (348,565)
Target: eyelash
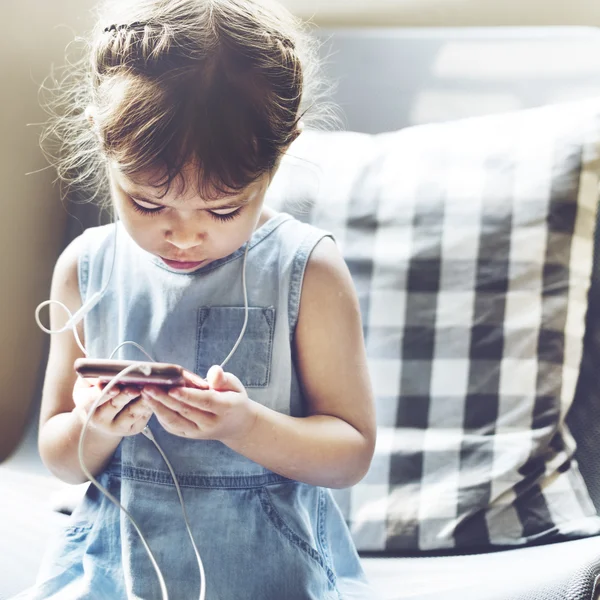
(228,217)
(154,211)
(145,211)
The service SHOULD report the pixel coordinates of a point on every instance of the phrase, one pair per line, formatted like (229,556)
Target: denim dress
(261,536)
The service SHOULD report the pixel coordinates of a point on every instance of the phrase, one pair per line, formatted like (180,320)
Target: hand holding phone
(122,413)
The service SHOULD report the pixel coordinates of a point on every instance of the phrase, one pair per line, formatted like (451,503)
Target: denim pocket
(219,328)
(295,535)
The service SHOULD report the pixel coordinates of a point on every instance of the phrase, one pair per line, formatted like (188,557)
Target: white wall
(448,12)
(32,220)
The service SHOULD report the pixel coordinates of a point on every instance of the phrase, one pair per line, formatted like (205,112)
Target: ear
(295,135)
(299,130)
(91,115)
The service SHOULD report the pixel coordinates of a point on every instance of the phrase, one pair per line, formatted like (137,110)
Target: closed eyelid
(143,205)
(225,209)
(152,204)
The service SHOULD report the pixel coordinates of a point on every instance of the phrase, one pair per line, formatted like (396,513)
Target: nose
(184,234)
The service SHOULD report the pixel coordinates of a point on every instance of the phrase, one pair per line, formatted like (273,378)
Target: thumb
(88,382)
(219,380)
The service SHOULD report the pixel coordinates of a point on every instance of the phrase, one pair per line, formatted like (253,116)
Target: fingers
(179,418)
(174,422)
(201,413)
(84,395)
(194,381)
(118,411)
(190,403)
(175,397)
(85,381)
(219,380)
(117,402)
(134,415)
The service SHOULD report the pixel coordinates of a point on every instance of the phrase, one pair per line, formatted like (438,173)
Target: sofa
(390,80)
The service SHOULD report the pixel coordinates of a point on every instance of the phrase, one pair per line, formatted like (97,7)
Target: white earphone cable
(245,292)
(87,305)
(145,368)
(148,433)
(132,344)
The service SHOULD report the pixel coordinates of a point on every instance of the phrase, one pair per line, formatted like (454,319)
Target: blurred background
(440,60)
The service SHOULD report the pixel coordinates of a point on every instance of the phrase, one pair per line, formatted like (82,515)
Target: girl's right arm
(66,398)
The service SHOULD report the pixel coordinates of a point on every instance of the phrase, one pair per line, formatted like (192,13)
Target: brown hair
(220,84)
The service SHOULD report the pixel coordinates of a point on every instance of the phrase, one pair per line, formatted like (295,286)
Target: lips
(182,265)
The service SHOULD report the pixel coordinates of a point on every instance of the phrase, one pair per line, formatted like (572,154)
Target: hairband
(283,40)
(124,26)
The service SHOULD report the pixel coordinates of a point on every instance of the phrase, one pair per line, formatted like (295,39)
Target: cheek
(228,238)
(141,229)
(246,227)
(237,231)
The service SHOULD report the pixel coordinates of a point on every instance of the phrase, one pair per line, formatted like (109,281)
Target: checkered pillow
(470,244)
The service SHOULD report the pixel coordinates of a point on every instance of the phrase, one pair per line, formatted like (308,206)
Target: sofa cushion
(470,244)
(549,572)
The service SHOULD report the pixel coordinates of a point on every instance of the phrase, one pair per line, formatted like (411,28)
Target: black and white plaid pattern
(470,244)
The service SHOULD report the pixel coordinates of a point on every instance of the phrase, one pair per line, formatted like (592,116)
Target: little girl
(188,107)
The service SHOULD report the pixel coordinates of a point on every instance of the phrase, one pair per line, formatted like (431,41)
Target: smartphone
(104,370)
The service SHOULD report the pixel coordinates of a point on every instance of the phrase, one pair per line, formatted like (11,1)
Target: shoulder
(85,242)
(66,268)
(327,273)
(325,257)
(70,275)
(305,246)
(328,300)
(65,284)
(78,253)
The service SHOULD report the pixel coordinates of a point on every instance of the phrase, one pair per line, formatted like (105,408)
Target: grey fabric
(584,417)
(386,78)
(393,78)
(470,244)
(564,571)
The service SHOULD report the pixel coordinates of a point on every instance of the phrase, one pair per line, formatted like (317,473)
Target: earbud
(84,310)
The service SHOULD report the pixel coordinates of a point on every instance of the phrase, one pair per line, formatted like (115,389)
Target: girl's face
(183,230)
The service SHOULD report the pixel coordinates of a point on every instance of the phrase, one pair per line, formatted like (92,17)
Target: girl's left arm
(333,445)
